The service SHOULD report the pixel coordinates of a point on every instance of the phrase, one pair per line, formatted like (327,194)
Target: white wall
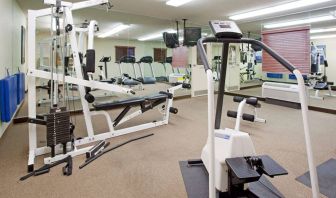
(331,57)
(11,19)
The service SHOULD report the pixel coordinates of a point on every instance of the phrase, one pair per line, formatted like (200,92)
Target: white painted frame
(33,73)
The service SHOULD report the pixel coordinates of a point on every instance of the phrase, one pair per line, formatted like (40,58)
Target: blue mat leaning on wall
(11,94)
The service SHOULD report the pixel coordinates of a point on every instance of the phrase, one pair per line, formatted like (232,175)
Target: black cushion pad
(128,102)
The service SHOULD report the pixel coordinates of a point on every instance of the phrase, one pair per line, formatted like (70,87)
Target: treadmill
(165,77)
(125,78)
(144,79)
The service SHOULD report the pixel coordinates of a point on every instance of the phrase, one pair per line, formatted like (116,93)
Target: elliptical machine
(229,155)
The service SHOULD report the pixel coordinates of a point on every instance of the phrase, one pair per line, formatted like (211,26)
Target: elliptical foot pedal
(271,167)
(241,170)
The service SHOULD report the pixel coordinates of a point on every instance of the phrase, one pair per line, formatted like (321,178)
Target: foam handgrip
(232,114)
(238,99)
(252,101)
(89,98)
(248,117)
(186,86)
(173,110)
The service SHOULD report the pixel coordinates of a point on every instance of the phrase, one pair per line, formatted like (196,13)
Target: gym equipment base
(196,181)
(326,178)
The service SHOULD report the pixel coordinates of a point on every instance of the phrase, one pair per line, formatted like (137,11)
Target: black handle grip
(238,99)
(186,86)
(173,110)
(252,101)
(248,117)
(232,114)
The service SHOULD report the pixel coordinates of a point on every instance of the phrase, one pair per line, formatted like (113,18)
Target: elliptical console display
(225,29)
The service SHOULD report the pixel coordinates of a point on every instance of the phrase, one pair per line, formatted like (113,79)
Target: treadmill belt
(326,173)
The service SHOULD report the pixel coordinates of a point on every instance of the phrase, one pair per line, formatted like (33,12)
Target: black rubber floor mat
(326,173)
(195,180)
(197,183)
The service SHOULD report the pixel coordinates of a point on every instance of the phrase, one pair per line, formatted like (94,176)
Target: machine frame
(214,121)
(34,73)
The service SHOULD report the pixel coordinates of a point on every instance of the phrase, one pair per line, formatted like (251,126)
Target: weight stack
(58,129)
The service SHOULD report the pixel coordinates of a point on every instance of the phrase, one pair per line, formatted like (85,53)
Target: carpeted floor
(149,168)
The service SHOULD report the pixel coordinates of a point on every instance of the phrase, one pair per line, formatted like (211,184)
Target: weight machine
(318,81)
(58,120)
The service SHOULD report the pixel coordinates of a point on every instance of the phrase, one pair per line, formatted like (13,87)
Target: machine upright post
(79,75)
(211,135)
(309,148)
(31,88)
(221,88)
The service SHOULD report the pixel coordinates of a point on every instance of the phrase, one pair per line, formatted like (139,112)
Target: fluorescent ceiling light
(321,30)
(177,3)
(300,21)
(323,36)
(114,30)
(278,8)
(155,35)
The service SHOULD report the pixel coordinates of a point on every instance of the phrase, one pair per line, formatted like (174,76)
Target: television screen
(170,40)
(191,35)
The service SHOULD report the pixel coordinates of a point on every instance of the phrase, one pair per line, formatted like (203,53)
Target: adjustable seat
(119,103)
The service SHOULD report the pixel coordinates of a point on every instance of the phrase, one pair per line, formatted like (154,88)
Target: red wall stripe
(291,43)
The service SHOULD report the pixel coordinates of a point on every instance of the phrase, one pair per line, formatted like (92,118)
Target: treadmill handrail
(271,52)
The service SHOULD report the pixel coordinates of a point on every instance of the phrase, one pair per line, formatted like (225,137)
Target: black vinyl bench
(161,96)
(146,103)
